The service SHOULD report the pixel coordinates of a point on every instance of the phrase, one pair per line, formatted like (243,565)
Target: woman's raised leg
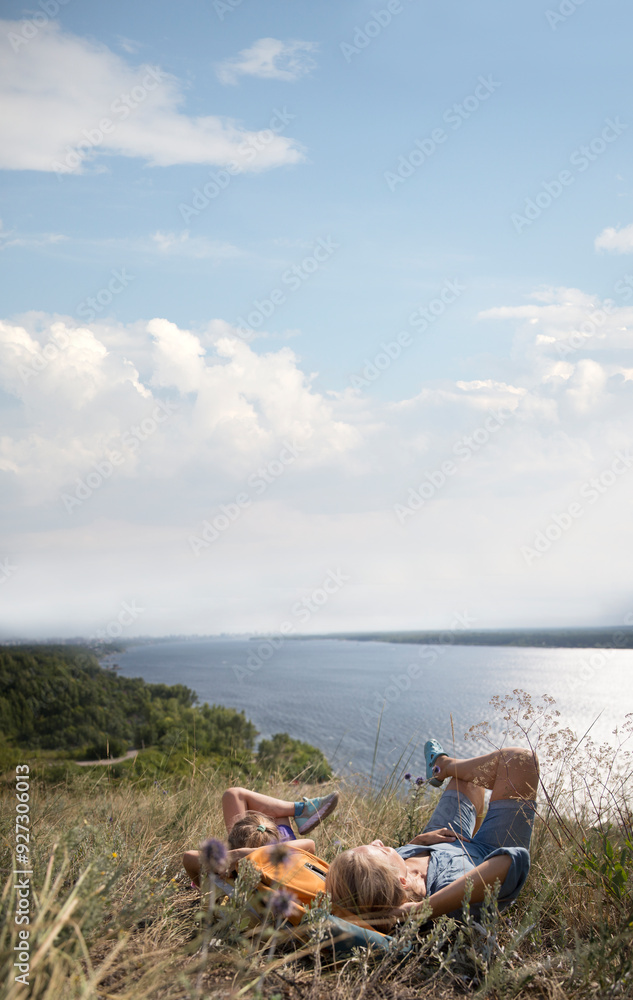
(511,773)
(460,809)
(476,794)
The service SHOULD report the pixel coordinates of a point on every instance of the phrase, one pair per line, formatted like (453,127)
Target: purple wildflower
(279,854)
(282,903)
(408,776)
(420,781)
(214,854)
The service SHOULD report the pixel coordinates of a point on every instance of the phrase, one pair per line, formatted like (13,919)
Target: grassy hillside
(115,917)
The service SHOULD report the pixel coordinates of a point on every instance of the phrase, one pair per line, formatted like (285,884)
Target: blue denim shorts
(506,829)
(508,822)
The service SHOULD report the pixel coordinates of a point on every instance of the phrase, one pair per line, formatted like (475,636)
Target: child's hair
(253,830)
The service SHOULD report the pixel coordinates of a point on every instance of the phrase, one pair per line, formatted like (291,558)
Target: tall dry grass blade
(373,761)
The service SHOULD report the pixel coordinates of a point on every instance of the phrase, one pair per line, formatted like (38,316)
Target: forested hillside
(60,698)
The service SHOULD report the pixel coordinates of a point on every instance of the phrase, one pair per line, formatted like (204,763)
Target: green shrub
(107,748)
(293,759)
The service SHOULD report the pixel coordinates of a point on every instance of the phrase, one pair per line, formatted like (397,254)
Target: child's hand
(235,856)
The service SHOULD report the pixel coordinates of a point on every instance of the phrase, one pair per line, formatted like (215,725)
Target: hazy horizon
(130,637)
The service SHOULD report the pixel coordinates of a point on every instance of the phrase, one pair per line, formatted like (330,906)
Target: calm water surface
(331,692)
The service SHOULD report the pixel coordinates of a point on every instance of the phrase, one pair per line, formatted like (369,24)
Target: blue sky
(410,144)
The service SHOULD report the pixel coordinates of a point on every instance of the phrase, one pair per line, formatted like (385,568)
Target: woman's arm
(451,896)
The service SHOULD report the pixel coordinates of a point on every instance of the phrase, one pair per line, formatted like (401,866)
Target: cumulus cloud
(79,400)
(616,240)
(269,59)
(67,102)
(200,419)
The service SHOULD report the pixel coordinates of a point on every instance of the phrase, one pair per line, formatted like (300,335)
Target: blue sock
(299,808)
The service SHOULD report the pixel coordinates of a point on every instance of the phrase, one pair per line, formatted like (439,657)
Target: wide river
(331,692)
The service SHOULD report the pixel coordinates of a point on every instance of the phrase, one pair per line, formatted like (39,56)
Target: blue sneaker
(433,750)
(314,811)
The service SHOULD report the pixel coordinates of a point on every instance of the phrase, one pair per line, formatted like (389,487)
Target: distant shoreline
(596,637)
(616,637)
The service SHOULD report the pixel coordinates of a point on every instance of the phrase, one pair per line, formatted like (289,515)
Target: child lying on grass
(250,818)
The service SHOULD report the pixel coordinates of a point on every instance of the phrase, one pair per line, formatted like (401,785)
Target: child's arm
(302,845)
(191,862)
(234,857)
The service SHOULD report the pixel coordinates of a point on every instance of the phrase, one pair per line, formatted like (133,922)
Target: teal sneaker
(433,750)
(314,811)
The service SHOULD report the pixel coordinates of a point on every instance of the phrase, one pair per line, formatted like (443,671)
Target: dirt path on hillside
(109,760)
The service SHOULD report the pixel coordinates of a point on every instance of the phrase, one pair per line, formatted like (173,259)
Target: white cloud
(11,238)
(66,102)
(562,323)
(65,407)
(178,357)
(184,245)
(269,59)
(616,240)
(78,398)
(129,45)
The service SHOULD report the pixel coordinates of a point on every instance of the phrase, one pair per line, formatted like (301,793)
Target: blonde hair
(364,884)
(369,886)
(248,832)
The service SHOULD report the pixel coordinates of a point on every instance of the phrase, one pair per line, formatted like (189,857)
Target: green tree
(293,758)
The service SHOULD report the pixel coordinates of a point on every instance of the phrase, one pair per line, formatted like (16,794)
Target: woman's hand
(441,836)
(400,914)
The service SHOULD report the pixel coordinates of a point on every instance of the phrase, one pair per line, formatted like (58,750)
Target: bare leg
(191,863)
(237,801)
(475,793)
(511,773)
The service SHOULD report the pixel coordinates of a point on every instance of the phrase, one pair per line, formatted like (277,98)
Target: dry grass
(114,917)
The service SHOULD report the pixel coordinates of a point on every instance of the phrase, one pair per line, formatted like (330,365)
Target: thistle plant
(213,855)
(411,819)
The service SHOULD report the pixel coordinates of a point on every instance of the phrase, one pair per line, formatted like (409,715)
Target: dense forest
(60,698)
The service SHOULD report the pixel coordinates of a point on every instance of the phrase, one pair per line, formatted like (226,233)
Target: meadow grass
(114,916)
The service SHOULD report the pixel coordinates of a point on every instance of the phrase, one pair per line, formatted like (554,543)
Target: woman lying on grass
(383,884)
(250,818)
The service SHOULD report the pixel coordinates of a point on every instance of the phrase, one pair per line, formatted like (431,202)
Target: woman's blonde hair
(253,830)
(364,884)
